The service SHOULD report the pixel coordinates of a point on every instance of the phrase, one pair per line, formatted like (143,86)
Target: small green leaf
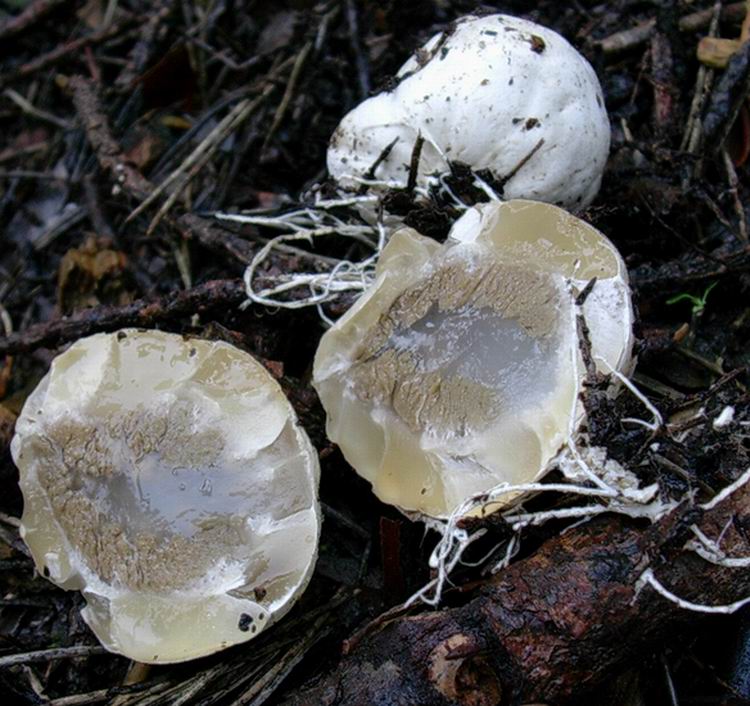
(699,303)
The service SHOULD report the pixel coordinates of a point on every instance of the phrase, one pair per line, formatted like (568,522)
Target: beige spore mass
(460,368)
(167,479)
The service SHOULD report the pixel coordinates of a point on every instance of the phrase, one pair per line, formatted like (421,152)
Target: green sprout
(699,303)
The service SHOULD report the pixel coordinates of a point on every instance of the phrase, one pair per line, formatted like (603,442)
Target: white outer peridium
(183,624)
(486,96)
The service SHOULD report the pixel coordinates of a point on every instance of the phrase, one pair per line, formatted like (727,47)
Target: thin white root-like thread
(708,549)
(726,492)
(582,467)
(640,502)
(317,221)
(514,544)
(615,489)
(440,185)
(658,419)
(532,519)
(308,224)
(648,578)
(444,568)
(481,184)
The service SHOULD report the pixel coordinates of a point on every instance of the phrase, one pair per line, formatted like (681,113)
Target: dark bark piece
(210,296)
(143,51)
(215,238)
(632,37)
(662,77)
(550,626)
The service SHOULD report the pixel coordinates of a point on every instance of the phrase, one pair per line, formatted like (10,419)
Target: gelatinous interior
(468,343)
(167,480)
(452,364)
(460,368)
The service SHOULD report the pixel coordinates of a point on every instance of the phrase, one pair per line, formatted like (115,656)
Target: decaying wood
(689,270)
(550,626)
(108,151)
(727,98)
(213,237)
(217,294)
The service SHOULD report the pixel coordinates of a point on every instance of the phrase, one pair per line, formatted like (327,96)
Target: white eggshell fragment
(491,92)
(167,479)
(460,368)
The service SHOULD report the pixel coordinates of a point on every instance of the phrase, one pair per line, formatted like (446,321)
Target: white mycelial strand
(578,463)
(724,419)
(726,492)
(309,224)
(640,502)
(648,578)
(708,549)
(658,420)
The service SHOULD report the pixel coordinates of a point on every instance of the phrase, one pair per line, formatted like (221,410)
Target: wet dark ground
(166,73)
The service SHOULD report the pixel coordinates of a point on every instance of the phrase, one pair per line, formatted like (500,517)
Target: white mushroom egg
(496,92)
(460,368)
(167,479)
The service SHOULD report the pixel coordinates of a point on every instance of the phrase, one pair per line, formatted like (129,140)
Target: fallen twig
(636,36)
(65,50)
(681,272)
(734,183)
(143,50)
(112,159)
(727,98)
(202,230)
(34,12)
(49,655)
(108,151)
(197,159)
(211,143)
(30,109)
(216,294)
(694,126)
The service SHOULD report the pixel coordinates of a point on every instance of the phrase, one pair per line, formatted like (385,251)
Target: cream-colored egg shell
(486,93)
(460,368)
(167,479)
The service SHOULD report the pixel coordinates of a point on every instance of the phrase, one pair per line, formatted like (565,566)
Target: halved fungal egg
(167,479)
(460,368)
